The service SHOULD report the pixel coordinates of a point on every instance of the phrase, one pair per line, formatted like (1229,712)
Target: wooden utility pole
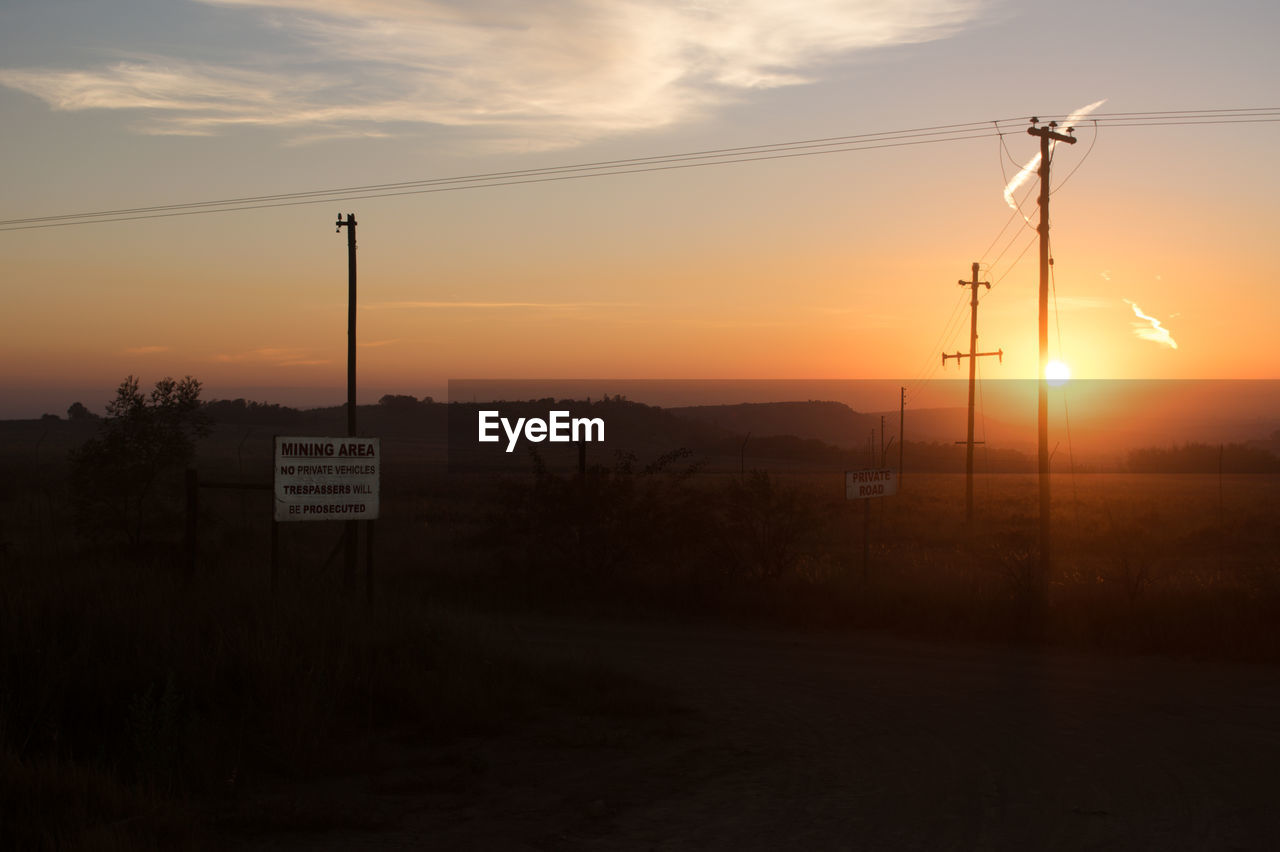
(902,410)
(1047,135)
(973,355)
(351,530)
(866,515)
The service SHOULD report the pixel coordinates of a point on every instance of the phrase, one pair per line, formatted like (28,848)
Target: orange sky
(838,266)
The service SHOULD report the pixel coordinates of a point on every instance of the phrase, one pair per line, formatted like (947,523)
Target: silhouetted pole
(192,483)
(275,556)
(350,533)
(902,410)
(866,514)
(973,357)
(1046,134)
(1222,448)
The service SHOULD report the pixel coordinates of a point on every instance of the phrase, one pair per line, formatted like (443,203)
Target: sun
(1057,373)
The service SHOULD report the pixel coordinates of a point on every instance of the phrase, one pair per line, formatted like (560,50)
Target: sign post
(864,485)
(327,479)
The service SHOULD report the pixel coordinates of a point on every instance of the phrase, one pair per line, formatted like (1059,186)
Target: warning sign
(327,479)
(864,484)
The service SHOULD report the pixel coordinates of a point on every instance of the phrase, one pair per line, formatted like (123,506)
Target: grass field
(141,701)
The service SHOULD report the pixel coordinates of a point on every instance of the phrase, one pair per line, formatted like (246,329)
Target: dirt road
(793,741)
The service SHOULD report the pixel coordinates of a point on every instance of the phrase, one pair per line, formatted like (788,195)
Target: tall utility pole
(973,356)
(902,410)
(1047,135)
(351,530)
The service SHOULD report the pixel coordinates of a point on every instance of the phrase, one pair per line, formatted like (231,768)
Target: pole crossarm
(1048,132)
(973,355)
(958,355)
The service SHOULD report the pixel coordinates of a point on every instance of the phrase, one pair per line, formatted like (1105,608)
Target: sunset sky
(842,265)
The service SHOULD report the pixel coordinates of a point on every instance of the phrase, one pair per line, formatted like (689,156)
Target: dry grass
(1140,562)
(135,698)
(138,703)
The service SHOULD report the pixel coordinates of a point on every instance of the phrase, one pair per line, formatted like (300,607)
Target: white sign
(863,484)
(327,479)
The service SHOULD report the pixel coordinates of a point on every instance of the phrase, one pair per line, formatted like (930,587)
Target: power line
(716,153)
(719,156)
(1079,162)
(1017,213)
(1014,265)
(927,369)
(1176,113)
(1121,119)
(782,150)
(1066,411)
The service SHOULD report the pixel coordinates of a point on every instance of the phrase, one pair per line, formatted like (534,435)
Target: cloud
(270,355)
(1034,163)
(145,350)
(533,74)
(373,344)
(1151,329)
(502,305)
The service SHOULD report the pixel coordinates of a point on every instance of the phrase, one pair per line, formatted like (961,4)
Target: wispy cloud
(1034,163)
(374,344)
(146,350)
(502,305)
(274,356)
(1151,329)
(537,74)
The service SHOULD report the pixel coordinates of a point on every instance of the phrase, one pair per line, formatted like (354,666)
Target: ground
(791,740)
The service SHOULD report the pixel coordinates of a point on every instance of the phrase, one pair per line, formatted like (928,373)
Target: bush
(602,525)
(118,479)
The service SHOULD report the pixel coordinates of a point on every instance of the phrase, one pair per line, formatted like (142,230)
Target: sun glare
(1057,373)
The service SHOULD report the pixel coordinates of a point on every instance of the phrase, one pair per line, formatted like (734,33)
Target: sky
(837,266)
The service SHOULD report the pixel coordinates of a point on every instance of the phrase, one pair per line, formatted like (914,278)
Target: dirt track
(818,742)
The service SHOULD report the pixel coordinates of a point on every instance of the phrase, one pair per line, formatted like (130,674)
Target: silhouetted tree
(399,402)
(1203,458)
(144,437)
(77,411)
(242,411)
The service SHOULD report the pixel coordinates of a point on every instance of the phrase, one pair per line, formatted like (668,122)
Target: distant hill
(837,424)
(830,422)
(799,435)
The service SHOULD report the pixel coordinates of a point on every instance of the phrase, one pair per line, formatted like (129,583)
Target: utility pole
(1047,134)
(973,356)
(866,515)
(902,410)
(351,531)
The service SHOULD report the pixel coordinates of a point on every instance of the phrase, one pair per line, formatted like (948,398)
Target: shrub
(118,479)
